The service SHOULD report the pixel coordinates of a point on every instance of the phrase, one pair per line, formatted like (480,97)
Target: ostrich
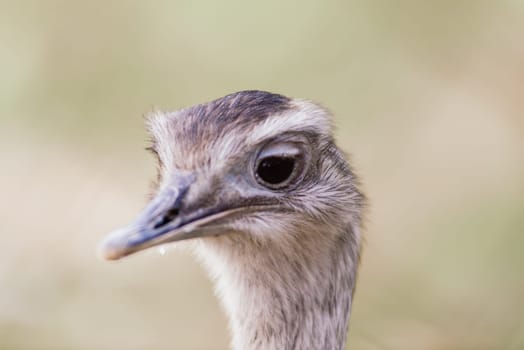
(256,183)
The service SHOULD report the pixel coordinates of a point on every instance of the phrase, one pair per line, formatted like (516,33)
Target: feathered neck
(289,296)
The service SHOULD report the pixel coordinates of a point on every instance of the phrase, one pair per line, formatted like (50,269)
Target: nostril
(169,216)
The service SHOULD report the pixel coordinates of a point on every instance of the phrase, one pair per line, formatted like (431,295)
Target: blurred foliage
(427,97)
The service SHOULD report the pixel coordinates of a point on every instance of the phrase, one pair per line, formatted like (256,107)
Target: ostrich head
(255,181)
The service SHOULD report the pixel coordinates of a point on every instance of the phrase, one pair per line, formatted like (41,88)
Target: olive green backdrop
(428,98)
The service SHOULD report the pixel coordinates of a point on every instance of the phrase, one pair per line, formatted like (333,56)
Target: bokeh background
(428,98)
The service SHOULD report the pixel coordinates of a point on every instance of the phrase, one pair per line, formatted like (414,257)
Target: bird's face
(252,164)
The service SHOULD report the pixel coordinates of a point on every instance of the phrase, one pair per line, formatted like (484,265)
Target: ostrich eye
(275,171)
(280,164)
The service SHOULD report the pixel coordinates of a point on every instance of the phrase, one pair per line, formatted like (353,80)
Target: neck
(284,296)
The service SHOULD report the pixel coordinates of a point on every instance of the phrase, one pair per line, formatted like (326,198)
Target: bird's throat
(285,297)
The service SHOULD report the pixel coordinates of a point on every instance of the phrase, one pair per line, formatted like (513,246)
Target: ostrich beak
(164,220)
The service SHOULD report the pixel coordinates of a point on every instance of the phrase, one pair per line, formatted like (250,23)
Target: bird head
(251,165)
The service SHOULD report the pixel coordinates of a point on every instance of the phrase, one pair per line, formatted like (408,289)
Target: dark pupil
(275,170)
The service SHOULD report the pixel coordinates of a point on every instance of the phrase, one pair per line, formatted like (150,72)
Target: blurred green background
(428,98)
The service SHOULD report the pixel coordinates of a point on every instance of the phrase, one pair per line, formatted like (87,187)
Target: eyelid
(280,150)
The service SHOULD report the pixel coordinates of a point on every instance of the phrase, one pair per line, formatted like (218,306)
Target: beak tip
(107,255)
(109,249)
(105,252)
